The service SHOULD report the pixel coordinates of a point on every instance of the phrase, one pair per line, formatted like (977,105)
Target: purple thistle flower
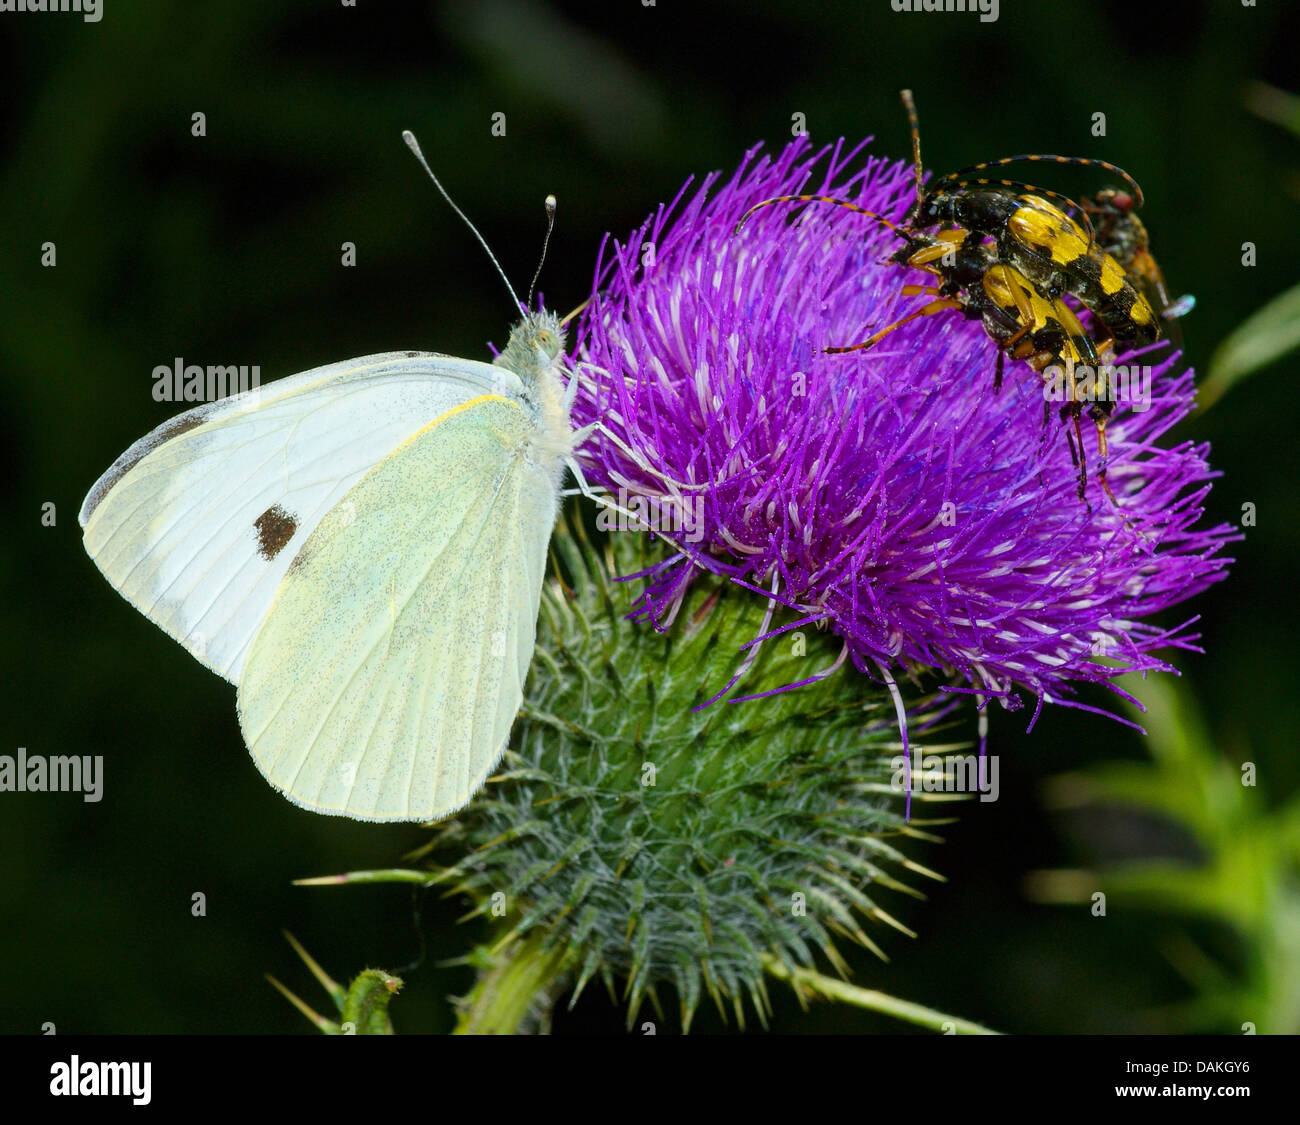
(890,495)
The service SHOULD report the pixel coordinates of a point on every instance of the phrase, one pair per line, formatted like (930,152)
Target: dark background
(226,250)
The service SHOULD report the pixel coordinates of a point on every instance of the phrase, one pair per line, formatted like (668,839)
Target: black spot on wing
(275,527)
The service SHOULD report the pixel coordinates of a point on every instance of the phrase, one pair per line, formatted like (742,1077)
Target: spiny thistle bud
(659,842)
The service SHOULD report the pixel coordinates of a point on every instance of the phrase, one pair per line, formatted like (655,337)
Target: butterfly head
(544,335)
(535,347)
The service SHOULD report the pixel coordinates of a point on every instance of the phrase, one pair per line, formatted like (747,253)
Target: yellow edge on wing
(455,410)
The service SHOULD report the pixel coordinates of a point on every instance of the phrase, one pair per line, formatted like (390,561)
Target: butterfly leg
(571,390)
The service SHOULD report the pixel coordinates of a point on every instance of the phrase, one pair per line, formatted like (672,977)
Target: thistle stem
(515,995)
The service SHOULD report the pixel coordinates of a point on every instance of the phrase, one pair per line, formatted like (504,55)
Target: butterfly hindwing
(391,663)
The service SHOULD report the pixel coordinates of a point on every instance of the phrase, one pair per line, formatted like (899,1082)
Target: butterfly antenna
(414,146)
(550,226)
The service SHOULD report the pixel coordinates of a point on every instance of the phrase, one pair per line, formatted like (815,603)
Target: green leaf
(363,1005)
(1274,105)
(1263,337)
(809,981)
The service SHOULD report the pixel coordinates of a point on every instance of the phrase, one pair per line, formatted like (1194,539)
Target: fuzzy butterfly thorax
(535,353)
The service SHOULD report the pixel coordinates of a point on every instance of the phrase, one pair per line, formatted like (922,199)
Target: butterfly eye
(547,341)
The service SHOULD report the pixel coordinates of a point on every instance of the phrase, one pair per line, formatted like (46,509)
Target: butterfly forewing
(197,523)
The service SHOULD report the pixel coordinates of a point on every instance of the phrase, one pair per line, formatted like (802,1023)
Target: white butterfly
(360,548)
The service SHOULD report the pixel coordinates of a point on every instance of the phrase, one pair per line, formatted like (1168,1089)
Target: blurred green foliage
(1272,332)
(1240,871)
(226,249)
